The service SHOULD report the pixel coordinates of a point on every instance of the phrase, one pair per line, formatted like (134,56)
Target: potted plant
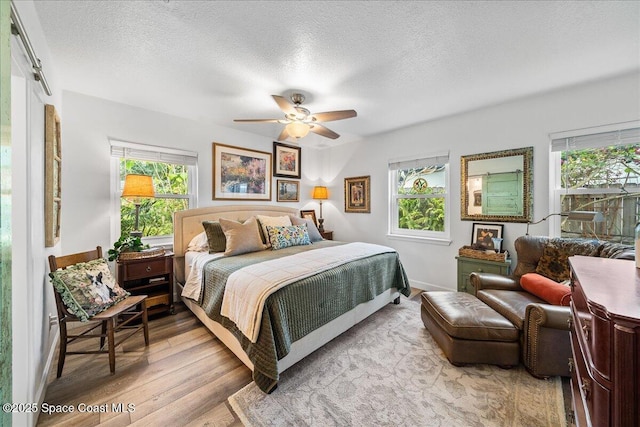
(126,243)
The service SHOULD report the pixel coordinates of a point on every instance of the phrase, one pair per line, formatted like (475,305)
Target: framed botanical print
(288,191)
(240,173)
(487,236)
(357,195)
(52,176)
(286,160)
(309,214)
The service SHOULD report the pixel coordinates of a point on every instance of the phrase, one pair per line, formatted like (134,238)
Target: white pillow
(274,221)
(199,243)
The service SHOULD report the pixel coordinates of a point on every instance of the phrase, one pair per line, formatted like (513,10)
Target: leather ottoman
(469,331)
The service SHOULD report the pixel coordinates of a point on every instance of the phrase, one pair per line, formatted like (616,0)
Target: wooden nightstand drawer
(466,266)
(146,268)
(152,277)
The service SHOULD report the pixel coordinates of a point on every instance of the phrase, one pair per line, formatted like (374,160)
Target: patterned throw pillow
(314,234)
(285,236)
(272,221)
(87,288)
(554,263)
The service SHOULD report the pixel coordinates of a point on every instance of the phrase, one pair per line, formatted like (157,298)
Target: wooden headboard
(187,224)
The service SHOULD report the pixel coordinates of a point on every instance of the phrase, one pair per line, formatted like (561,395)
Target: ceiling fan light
(297,129)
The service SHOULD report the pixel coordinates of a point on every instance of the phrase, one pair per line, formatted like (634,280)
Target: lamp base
(320,225)
(136,233)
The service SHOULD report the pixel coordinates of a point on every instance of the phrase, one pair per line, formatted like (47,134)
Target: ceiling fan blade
(284,105)
(323,131)
(257,120)
(284,135)
(333,115)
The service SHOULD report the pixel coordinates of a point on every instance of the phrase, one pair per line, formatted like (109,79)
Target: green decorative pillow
(554,263)
(285,236)
(215,236)
(87,288)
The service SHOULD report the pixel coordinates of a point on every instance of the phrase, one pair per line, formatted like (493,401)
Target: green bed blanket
(303,306)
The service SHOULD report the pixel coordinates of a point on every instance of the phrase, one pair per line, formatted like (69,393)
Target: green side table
(466,266)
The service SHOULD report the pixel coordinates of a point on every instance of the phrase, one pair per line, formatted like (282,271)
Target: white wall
(90,122)
(32,295)
(522,123)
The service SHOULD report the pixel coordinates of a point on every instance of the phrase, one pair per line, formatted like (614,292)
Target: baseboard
(428,286)
(41,390)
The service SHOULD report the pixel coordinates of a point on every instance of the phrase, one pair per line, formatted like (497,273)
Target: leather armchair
(544,328)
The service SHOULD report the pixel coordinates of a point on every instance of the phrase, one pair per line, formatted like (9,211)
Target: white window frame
(593,137)
(424,236)
(137,151)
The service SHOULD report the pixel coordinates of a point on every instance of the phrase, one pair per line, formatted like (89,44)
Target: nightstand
(466,266)
(152,277)
(328,235)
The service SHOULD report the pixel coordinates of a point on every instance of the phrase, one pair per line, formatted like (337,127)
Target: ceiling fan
(299,121)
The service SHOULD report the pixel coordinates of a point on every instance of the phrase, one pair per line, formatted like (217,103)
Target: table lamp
(320,193)
(136,188)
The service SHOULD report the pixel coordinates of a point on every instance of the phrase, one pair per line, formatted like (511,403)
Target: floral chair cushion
(87,288)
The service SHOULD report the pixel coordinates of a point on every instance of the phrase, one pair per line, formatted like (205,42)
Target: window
(419,197)
(599,170)
(174,180)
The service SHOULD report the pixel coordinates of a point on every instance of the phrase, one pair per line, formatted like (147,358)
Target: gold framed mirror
(497,186)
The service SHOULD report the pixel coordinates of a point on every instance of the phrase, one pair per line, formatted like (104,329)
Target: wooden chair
(114,319)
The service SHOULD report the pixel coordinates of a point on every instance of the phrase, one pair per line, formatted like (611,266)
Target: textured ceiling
(395,62)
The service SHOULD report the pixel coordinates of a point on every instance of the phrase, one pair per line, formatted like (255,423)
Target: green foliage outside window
(427,210)
(613,176)
(156,215)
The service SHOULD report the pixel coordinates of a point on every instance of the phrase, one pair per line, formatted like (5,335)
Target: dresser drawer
(594,331)
(145,268)
(595,398)
(467,268)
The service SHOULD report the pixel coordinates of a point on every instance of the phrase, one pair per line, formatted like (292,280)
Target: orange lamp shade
(138,187)
(320,193)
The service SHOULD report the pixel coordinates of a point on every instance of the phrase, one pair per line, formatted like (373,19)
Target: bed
(327,300)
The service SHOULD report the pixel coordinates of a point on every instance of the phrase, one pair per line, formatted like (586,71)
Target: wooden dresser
(605,340)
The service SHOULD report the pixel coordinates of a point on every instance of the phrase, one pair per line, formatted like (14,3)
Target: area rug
(388,371)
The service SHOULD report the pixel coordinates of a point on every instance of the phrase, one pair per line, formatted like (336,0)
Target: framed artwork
(52,176)
(357,195)
(483,235)
(240,173)
(286,160)
(310,214)
(288,191)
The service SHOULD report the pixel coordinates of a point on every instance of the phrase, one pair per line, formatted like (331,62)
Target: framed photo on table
(240,173)
(357,195)
(287,191)
(286,160)
(483,235)
(309,214)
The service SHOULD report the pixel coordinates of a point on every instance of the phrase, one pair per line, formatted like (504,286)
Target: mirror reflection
(497,186)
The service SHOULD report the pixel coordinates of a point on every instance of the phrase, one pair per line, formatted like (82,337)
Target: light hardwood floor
(183,378)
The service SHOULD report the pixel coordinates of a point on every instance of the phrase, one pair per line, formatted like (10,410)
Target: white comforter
(248,288)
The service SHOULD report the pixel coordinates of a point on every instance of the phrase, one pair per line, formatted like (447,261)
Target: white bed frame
(188,224)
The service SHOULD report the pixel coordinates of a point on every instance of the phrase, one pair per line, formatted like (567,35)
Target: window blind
(423,161)
(121,149)
(596,140)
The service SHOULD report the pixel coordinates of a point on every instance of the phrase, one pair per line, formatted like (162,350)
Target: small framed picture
(288,191)
(487,236)
(357,194)
(286,160)
(310,214)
